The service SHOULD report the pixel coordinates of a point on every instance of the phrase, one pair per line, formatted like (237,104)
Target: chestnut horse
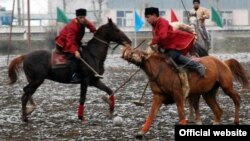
(166,86)
(37,68)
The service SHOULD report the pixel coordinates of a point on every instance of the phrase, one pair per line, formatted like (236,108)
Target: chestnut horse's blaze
(166,87)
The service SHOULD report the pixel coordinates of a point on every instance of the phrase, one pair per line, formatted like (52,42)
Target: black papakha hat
(196,1)
(151,11)
(81,12)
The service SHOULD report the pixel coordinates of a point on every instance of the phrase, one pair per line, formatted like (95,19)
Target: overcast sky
(36,6)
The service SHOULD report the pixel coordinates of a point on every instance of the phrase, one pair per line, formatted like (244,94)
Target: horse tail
(238,71)
(14,68)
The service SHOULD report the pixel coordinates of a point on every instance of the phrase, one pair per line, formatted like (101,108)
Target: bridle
(106,43)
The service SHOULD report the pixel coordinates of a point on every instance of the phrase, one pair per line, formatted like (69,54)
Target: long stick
(183,5)
(144,91)
(127,80)
(96,74)
(140,44)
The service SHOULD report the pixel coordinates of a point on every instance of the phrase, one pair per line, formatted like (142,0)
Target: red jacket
(165,37)
(71,35)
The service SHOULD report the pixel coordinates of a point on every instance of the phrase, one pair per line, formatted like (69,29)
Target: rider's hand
(154,47)
(77,54)
(204,17)
(149,43)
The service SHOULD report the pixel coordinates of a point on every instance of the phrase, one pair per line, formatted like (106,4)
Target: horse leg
(29,90)
(156,104)
(236,99)
(191,110)
(82,99)
(180,101)
(110,99)
(194,106)
(32,107)
(210,99)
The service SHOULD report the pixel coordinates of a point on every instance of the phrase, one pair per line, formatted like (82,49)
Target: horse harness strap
(100,40)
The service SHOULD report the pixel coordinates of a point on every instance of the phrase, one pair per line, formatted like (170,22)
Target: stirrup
(75,78)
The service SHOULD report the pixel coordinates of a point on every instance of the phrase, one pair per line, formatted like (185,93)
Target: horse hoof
(198,123)
(216,123)
(84,122)
(139,135)
(29,110)
(24,119)
(110,114)
(80,117)
(236,123)
(107,100)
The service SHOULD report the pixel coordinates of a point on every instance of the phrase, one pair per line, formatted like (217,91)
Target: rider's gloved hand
(77,54)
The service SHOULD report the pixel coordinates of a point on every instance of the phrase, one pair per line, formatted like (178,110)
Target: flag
(61,17)
(138,22)
(173,16)
(216,17)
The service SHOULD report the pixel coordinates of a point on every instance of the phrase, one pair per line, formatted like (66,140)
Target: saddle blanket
(58,59)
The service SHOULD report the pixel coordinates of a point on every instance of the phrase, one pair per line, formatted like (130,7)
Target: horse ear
(110,21)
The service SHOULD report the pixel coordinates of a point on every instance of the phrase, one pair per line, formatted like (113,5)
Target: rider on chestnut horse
(175,43)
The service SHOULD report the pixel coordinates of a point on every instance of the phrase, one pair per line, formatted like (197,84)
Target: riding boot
(188,63)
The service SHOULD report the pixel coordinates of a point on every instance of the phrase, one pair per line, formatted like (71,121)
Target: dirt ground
(55,117)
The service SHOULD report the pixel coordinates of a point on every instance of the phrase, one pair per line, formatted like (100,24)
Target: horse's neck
(100,34)
(96,49)
(154,66)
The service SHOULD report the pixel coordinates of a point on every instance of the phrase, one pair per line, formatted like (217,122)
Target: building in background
(235,13)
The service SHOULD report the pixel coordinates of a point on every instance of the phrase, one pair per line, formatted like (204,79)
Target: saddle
(58,59)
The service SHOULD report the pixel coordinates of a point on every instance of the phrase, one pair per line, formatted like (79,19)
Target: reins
(108,44)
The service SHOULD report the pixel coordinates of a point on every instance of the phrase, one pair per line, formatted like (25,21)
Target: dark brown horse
(166,86)
(37,68)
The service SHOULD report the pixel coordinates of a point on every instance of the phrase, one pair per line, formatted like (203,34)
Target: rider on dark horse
(69,40)
(202,14)
(175,43)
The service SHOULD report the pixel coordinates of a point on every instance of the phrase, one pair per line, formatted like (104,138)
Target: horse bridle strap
(100,40)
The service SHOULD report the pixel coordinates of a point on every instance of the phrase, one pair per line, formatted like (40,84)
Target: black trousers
(182,60)
(73,61)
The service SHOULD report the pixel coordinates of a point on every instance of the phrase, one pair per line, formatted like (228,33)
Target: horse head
(111,32)
(135,56)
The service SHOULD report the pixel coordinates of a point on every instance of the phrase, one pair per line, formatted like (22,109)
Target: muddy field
(55,117)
